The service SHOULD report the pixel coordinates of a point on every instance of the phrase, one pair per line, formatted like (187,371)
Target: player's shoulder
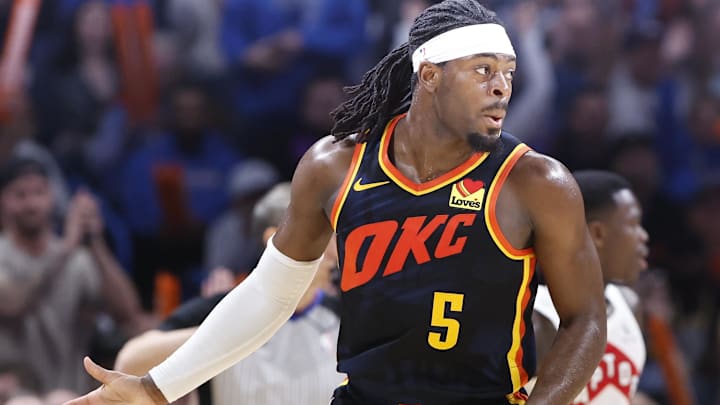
(546,188)
(329,150)
(535,171)
(324,166)
(329,156)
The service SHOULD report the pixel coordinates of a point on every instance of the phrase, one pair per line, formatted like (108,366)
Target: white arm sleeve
(240,324)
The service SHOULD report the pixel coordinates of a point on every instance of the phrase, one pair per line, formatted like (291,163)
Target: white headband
(464,41)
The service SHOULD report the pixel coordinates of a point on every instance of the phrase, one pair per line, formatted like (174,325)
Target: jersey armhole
(347,183)
(493,192)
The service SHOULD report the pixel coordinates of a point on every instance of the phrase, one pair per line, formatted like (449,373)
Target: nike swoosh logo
(358,186)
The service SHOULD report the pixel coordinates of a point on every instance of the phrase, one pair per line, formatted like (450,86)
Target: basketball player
(614,219)
(440,218)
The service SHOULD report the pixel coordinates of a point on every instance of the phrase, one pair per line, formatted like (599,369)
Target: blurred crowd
(147,130)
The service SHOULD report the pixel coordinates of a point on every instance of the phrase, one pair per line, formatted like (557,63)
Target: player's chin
(493,130)
(483,142)
(488,130)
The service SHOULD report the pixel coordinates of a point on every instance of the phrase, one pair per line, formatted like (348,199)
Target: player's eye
(483,70)
(510,75)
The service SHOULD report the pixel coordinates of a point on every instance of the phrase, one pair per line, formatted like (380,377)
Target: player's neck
(424,150)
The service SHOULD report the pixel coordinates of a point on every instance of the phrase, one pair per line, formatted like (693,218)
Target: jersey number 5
(436,340)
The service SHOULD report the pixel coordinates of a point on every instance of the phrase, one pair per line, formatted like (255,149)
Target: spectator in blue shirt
(274,46)
(173,187)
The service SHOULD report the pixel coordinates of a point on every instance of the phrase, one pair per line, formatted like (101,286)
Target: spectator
(535,84)
(583,142)
(274,47)
(701,291)
(230,241)
(583,42)
(51,288)
(84,84)
(172,188)
(196,25)
(407,12)
(320,96)
(17,140)
(691,154)
(387,21)
(642,97)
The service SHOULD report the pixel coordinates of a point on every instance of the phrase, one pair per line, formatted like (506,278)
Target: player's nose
(500,86)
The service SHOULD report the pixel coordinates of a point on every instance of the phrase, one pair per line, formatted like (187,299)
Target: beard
(485,143)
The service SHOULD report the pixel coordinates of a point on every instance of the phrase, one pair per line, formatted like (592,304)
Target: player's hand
(117,388)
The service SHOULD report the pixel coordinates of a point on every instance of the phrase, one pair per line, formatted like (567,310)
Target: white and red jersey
(616,378)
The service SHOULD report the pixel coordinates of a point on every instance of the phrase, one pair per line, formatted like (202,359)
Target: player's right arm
(306,230)
(273,289)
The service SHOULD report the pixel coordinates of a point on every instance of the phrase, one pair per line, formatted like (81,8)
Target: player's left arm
(545,333)
(571,267)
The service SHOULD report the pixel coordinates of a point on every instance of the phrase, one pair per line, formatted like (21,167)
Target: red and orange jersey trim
(517,397)
(515,355)
(347,183)
(421,188)
(493,192)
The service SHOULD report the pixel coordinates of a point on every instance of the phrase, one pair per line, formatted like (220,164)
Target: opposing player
(440,218)
(614,219)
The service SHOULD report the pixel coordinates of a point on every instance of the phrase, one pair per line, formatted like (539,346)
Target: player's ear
(429,75)
(598,233)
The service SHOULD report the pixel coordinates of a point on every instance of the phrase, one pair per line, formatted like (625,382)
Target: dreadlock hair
(386,88)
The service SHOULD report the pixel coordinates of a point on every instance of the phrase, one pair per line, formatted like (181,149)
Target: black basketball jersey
(436,303)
